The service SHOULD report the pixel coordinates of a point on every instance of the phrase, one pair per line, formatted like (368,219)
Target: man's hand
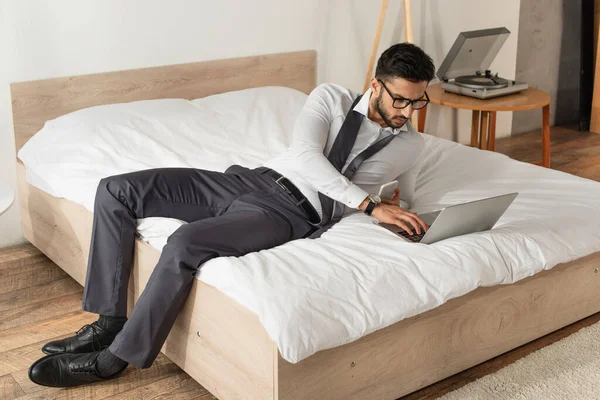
(395,200)
(393,214)
(389,212)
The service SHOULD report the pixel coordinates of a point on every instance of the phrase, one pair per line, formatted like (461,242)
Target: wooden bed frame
(223,345)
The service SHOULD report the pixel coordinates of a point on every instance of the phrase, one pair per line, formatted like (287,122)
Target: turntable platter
(480,82)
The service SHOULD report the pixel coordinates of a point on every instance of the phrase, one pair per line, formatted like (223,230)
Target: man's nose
(407,111)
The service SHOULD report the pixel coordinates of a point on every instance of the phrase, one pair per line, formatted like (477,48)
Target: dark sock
(114,324)
(108,364)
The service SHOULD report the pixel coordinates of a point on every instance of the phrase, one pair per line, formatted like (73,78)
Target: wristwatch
(373,201)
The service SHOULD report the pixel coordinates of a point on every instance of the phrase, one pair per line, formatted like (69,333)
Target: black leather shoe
(89,338)
(67,370)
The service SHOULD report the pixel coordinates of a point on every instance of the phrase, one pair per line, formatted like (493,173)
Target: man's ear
(375,86)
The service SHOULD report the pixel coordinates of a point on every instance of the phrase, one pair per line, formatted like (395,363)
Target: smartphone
(386,191)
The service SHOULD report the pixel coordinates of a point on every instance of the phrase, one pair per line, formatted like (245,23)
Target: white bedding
(317,294)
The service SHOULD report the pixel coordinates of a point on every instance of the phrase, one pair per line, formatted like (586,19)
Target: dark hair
(407,61)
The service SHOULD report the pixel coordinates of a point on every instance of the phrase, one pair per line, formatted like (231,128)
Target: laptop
(459,219)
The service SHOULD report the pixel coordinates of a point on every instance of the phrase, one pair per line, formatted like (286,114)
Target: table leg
(422,116)
(546,136)
(483,130)
(492,132)
(474,128)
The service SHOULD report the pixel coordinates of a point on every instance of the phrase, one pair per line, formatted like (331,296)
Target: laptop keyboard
(413,238)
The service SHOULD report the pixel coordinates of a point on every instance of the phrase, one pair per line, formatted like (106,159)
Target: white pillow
(69,156)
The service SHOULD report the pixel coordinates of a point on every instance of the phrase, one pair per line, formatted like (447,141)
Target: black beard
(385,116)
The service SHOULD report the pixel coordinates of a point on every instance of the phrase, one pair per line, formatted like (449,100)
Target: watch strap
(370,207)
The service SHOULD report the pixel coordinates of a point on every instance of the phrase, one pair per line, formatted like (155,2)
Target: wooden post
(422,116)
(408,28)
(475,129)
(384,5)
(546,136)
(492,132)
(483,130)
(409,38)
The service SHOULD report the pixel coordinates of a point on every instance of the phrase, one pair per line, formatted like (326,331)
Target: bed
(235,351)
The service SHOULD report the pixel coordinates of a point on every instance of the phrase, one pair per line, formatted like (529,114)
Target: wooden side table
(483,123)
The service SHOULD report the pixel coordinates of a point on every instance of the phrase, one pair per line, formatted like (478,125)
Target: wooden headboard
(35,102)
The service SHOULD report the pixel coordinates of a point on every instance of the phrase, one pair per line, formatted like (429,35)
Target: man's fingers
(422,223)
(414,220)
(404,219)
(402,225)
(414,223)
(405,216)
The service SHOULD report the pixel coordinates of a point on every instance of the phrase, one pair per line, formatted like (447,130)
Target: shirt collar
(363,108)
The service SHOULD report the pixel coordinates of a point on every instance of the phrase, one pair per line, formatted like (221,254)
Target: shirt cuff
(355,195)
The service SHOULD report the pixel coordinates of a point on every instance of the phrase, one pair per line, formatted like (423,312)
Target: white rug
(565,370)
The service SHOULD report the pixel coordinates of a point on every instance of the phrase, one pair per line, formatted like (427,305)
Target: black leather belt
(289,187)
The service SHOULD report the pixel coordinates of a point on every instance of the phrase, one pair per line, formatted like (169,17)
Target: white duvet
(312,295)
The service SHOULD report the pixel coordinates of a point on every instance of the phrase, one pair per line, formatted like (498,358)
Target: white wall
(549,58)
(50,38)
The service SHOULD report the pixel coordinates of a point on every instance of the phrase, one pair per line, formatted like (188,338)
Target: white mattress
(312,295)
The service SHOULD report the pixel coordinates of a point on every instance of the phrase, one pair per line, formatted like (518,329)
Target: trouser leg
(237,232)
(183,193)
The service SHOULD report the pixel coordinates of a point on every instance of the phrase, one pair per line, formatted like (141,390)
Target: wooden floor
(39,303)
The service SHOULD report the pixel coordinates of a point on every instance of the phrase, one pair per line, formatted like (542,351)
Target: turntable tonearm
(465,69)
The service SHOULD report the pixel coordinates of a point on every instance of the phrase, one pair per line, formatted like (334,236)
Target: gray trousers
(228,214)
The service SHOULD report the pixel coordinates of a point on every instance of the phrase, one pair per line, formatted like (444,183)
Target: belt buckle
(299,202)
(278,181)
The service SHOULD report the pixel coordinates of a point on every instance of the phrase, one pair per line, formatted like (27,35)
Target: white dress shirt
(305,162)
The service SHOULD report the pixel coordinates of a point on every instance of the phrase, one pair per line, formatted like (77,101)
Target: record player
(465,69)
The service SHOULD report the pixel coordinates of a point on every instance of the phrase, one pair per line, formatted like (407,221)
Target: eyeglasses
(400,103)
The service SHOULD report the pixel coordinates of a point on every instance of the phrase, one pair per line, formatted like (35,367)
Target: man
(344,147)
